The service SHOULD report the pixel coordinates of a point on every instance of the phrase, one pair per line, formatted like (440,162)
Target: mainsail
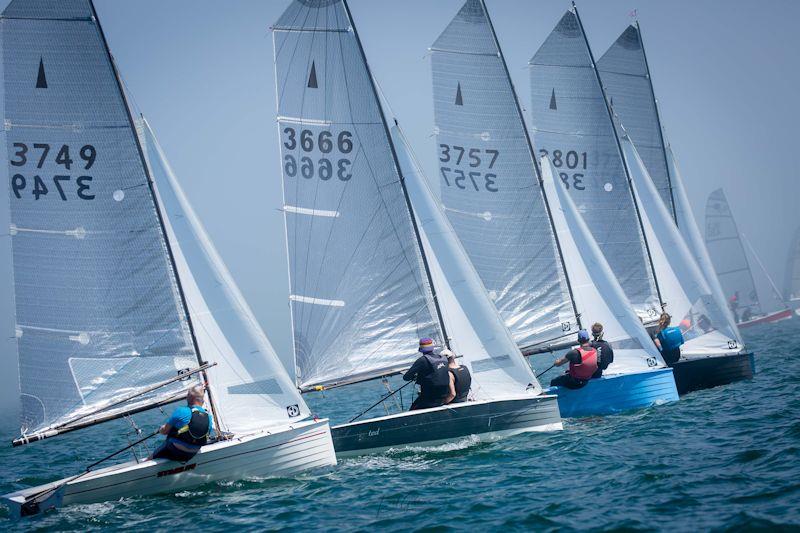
(597,292)
(791,284)
(477,332)
(572,125)
(360,296)
(99,312)
(728,254)
(489,182)
(626,77)
(694,308)
(249,385)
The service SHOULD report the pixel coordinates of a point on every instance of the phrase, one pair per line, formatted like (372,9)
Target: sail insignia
(41,78)
(459,99)
(312,77)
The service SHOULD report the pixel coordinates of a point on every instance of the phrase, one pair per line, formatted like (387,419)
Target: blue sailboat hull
(617,393)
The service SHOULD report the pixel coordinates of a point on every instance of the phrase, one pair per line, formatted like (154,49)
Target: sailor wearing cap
(582,364)
(431,374)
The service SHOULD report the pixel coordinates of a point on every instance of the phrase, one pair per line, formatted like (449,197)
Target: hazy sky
(725,72)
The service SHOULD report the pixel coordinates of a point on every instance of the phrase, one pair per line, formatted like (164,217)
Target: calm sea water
(727,458)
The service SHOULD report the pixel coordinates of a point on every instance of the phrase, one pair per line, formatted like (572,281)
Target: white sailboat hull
(282,452)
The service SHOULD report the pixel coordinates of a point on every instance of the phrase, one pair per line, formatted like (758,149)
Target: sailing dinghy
(707,360)
(727,248)
(367,277)
(791,285)
(544,285)
(121,300)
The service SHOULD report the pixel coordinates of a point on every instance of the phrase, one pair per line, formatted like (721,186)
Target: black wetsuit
(463,382)
(430,372)
(605,356)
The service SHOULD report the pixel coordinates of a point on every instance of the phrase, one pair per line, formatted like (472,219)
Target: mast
(400,175)
(537,170)
(151,188)
(621,156)
(658,124)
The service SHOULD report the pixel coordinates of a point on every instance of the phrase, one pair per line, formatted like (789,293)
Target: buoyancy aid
(436,382)
(671,339)
(588,365)
(463,382)
(196,431)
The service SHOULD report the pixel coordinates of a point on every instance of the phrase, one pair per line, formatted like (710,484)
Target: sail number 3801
(36,155)
(325,142)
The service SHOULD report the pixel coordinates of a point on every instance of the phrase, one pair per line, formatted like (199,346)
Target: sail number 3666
(36,155)
(325,142)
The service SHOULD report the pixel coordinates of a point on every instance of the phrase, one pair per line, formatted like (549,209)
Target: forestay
(489,182)
(360,298)
(250,387)
(628,85)
(792,281)
(98,310)
(728,254)
(691,303)
(573,126)
(597,292)
(476,330)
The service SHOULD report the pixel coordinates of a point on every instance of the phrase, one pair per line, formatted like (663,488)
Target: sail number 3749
(36,155)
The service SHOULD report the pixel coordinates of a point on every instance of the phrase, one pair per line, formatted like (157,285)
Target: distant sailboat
(587,124)
(545,285)
(121,300)
(791,286)
(727,248)
(369,274)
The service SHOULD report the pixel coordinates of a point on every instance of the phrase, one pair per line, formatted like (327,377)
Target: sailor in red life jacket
(582,364)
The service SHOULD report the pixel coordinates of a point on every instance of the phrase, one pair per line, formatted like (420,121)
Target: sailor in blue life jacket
(460,379)
(582,364)
(431,374)
(605,353)
(187,429)
(668,340)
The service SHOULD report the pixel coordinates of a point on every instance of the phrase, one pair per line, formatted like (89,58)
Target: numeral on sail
(88,153)
(19,183)
(324,168)
(478,180)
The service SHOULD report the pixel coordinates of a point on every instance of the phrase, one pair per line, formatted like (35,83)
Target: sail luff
(619,151)
(399,173)
(658,123)
(764,270)
(537,168)
(159,214)
(791,282)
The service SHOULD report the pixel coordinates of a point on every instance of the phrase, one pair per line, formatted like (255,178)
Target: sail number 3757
(473,162)
(35,155)
(332,147)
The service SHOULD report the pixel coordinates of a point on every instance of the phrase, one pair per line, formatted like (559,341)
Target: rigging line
(763,269)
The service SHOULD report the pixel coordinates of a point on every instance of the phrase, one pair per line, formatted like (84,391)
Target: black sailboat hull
(707,372)
(486,420)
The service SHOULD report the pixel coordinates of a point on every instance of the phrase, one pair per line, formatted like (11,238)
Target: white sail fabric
(475,329)
(729,256)
(250,387)
(791,290)
(626,78)
(689,230)
(489,182)
(598,295)
(360,298)
(98,311)
(572,125)
(688,297)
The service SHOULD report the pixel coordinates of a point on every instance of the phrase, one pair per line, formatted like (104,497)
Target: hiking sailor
(187,429)
(605,353)
(460,379)
(582,364)
(432,375)
(668,340)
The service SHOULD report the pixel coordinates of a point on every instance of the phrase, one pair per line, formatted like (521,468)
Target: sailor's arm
(414,370)
(165,429)
(452,394)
